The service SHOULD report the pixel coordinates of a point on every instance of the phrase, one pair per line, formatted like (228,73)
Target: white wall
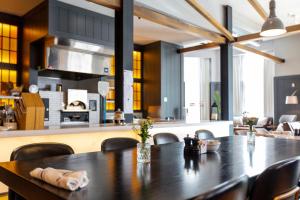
(289,49)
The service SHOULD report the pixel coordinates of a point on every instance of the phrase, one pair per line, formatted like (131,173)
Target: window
(8,60)
(137,91)
(8,43)
(248,83)
(137,85)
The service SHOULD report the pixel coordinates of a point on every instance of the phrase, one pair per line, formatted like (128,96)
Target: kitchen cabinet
(80,24)
(163,79)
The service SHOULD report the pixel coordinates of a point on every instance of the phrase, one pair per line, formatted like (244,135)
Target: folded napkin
(70,180)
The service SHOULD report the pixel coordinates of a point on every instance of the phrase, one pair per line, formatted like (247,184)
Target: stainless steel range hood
(74,56)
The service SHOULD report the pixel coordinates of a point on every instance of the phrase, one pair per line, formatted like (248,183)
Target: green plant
(251,121)
(217,99)
(143,130)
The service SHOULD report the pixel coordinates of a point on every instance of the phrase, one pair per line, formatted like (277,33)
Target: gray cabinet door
(76,23)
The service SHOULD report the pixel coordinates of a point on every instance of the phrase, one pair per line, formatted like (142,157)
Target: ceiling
(18,7)
(245,18)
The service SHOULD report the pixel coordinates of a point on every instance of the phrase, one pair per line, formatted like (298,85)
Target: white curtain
(238,85)
(269,73)
(205,64)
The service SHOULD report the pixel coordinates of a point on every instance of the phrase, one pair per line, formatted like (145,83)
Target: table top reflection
(170,175)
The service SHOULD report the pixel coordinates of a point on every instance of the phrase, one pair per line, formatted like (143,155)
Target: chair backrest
(205,134)
(164,138)
(37,151)
(118,144)
(231,190)
(280,178)
(287,118)
(40,150)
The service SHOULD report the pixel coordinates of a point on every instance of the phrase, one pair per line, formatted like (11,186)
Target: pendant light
(273,26)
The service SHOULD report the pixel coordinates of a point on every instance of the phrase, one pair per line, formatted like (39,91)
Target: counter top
(89,128)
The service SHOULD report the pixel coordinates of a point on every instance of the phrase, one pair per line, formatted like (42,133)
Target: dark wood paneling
(283,88)
(80,24)
(152,75)
(163,78)
(35,27)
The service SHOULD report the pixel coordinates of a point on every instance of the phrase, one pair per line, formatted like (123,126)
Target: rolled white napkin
(70,180)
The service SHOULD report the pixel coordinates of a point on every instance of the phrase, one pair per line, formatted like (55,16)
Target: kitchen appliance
(76,110)
(77,100)
(70,59)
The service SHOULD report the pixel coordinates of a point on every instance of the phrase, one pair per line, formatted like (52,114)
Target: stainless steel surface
(63,59)
(83,46)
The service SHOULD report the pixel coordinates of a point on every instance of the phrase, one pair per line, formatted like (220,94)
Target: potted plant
(143,148)
(251,121)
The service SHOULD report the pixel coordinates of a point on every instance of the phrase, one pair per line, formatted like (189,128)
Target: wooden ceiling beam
(261,53)
(200,9)
(113,4)
(256,36)
(199,47)
(259,9)
(142,11)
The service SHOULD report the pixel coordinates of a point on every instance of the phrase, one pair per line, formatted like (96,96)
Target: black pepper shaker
(195,142)
(187,141)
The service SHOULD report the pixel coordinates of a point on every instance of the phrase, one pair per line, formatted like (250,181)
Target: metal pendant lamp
(273,26)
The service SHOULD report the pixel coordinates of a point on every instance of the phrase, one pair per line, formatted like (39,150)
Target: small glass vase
(251,137)
(143,152)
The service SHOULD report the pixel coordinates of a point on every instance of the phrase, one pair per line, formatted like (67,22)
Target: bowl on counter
(213,145)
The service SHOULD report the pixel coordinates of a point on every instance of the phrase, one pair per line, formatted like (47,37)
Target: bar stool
(37,151)
(164,138)
(232,190)
(280,181)
(118,144)
(205,134)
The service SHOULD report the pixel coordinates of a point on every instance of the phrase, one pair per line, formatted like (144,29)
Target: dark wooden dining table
(170,175)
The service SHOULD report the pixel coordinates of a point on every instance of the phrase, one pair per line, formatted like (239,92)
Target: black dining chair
(280,181)
(37,151)
(118,144)
(232,190)
(164,138)
(205,134)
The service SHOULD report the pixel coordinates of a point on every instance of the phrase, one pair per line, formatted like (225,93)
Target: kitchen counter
(89,128)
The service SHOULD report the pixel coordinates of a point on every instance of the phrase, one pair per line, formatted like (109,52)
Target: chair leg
(297,195)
